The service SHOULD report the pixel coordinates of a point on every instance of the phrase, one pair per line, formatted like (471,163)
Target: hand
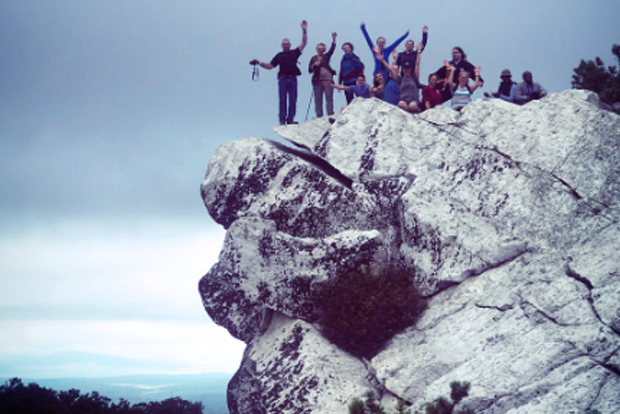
(304,25)
(420,47)
(254,62)
(377,52)
(362,24)
(334,36)
(425,29)
(446,64)
(394,54)
(477,70)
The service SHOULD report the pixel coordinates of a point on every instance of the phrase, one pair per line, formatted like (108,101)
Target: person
(431,94)
(461,92)
(379,91)
(351,67)
(360,89)
(287,76)
(385,51)
(528,90)
(506,89)
(322,76)
(392,90)
(460,63)
(408,81)
(410,54)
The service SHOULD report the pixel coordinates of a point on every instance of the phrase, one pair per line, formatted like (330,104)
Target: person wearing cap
(408,81)
(506,90)
(528,90)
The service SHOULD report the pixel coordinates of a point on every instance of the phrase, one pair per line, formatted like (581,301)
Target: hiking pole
(309,102)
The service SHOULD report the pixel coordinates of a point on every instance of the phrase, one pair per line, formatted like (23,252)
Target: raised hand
(304,25)
(334,36)
(425,29)
(477,70)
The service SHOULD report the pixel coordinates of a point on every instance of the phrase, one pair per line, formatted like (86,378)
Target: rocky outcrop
(506,218)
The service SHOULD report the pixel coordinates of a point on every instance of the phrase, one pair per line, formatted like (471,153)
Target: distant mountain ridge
(210,388)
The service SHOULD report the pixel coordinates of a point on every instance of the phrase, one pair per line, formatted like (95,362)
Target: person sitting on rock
(461,92)
(379,91)
(460,63)
(360,90)
(431,94)
(506,90)
(408,81)
(528,90)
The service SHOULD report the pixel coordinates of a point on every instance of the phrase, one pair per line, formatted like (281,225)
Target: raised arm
(417,60)
(304,36)
(393,69)
(452,69)
(424,36)
(478,82)
(366,36)
(393,46)
(333,46)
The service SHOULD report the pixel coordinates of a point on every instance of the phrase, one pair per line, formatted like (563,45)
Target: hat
(505,72)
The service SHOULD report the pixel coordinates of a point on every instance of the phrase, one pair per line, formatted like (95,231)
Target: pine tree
(605,81)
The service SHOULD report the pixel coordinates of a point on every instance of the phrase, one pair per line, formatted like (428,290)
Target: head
(361,80)
(463,78)
(527,76)
(407,69)
(347,47)
(286,45)
(409,46)
(432,80)
(506,76)
(320,49)
(381,42)
(378,79)
(458,54)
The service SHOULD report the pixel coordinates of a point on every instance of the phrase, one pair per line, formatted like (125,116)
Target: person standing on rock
(528,90)
(410,53)
(385,51)
(287,76)
(322,77)
(350,68)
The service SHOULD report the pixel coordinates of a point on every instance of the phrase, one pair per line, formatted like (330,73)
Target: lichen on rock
(504,219)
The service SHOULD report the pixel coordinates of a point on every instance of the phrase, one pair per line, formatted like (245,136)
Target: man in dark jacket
(322,77)
(410,54)
(287,76)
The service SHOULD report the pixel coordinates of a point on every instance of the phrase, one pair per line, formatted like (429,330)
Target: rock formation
(505,217)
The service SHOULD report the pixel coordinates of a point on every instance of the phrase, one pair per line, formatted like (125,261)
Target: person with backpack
(287,76)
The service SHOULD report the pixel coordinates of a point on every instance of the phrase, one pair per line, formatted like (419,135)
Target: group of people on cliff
(397,83)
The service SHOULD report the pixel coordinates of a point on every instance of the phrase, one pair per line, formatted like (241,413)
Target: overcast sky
(109,112)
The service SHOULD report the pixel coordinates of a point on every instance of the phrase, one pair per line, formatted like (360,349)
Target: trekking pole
(309,102)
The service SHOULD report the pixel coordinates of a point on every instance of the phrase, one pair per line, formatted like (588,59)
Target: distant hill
(210,388)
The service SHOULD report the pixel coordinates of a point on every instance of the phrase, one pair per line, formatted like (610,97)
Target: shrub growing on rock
(360,309)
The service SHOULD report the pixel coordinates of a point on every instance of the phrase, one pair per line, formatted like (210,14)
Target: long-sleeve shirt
(385,52)
(524,91)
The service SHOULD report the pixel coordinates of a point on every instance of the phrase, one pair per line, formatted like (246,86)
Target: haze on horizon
(109,112)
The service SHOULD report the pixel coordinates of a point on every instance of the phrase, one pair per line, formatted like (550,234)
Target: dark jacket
(324,63)
(411,57)
(350,68)
(463,65)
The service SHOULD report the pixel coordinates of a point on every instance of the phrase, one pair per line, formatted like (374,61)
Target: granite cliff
(505,220)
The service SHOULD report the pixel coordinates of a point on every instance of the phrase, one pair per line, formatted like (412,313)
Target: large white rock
(506,216)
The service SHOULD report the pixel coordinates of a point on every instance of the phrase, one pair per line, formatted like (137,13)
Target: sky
(109,112)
